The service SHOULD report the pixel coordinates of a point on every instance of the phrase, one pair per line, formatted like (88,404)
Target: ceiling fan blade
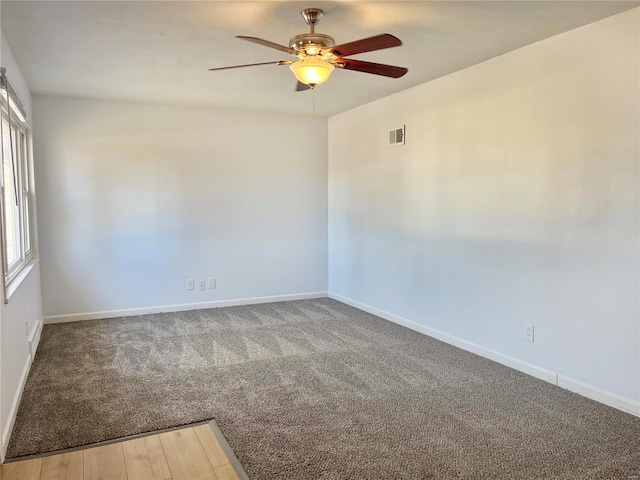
(281,62)
(374,68)
(302,86)
(267,43)
(370,44)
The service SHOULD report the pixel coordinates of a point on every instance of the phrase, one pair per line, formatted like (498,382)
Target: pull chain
(313,102)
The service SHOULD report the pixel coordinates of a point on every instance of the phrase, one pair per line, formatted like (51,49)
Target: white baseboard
(74,317)
(34,339)
(6,434)
(599,395)
(584,389)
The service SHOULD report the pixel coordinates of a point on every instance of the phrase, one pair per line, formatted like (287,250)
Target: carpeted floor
(315,389)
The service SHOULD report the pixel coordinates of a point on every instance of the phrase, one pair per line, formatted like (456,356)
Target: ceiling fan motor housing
(311,43)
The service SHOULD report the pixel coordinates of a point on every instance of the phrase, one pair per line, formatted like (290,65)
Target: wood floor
(192,453)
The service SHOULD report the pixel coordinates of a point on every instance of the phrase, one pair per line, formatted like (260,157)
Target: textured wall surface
(137,198)
(514,201)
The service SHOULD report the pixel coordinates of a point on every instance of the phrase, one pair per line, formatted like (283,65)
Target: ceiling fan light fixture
(311,70)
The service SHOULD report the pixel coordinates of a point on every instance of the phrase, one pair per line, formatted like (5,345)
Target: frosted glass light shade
(311,70)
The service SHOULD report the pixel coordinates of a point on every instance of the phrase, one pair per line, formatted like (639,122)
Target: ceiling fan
(317,55)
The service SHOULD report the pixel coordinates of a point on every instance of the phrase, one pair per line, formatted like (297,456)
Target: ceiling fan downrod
(312,17)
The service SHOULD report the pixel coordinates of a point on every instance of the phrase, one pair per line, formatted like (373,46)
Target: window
(16,195)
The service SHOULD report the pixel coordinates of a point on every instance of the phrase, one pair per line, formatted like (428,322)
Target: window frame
(19,134)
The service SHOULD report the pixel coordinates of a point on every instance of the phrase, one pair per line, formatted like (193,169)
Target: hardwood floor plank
(145,460)
(104,463)
(185,456)
(66,466)
(211,446)
(24,470)
(226,472)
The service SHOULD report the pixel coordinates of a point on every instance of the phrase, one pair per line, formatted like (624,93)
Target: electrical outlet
(190,284)
(201,285)
(212,283)
(528,333)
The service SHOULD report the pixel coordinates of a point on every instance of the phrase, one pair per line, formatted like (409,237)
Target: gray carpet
(315,389)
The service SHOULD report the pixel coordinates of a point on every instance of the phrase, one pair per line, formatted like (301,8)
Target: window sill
(16,282)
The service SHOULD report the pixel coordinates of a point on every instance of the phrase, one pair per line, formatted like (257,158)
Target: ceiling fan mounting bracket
(312,15)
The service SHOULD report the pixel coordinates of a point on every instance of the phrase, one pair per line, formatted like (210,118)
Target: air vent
(396,136)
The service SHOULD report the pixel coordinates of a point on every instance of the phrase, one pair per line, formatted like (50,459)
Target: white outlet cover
(190,284)
(529,333)
(212,283)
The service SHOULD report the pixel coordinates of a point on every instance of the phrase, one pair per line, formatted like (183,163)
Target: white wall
(515,201)
(135,199)
(24,305)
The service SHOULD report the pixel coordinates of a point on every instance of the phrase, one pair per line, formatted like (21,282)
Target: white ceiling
(159,51)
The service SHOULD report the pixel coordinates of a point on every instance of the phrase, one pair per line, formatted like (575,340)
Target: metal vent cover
(396,136)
